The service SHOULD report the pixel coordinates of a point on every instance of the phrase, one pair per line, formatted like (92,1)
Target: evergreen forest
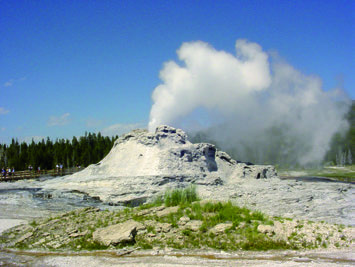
(46,154)
(342,148)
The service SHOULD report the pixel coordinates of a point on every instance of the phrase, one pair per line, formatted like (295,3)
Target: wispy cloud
(3,111)
(11,82)
(119,129)
(59,120)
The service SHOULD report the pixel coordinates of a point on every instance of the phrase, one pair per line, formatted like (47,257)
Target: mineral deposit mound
(142,164)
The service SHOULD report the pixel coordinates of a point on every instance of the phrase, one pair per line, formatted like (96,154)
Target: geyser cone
(142,163)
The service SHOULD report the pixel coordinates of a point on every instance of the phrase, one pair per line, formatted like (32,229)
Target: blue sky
(67,67)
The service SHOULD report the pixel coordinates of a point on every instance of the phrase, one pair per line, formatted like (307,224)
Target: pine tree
(350,158)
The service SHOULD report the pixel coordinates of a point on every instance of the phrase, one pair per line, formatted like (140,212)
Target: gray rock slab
(118,233)
(193,225)
(220,228)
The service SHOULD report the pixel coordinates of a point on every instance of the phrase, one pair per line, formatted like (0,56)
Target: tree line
(46,154)
(342,147)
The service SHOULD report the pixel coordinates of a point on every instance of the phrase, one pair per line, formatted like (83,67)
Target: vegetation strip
(344,174)
(176,220)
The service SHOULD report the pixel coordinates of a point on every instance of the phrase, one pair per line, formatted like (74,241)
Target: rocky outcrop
(142,164)
(193,226)
(122,233)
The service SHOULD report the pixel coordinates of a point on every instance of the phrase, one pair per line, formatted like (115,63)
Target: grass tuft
(177,197)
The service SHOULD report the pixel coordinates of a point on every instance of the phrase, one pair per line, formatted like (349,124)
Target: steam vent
(142,164)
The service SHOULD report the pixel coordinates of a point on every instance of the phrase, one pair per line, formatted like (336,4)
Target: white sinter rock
(142,164)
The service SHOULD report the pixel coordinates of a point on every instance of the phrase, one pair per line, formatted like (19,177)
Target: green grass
(346,173)
(151,229)
(346,177)
(225,212)
(177,197)
(83,244)
(33,223)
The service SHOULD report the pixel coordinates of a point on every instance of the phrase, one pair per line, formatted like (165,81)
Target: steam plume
(261,109)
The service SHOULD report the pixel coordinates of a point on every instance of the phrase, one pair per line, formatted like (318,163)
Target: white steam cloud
(250,102)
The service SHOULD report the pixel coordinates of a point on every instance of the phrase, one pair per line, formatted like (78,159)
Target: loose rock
(220,228)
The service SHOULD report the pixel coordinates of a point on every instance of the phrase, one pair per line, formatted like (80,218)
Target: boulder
(220,228)
(183,220)
(163,227)
(193,225)
(121,233)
